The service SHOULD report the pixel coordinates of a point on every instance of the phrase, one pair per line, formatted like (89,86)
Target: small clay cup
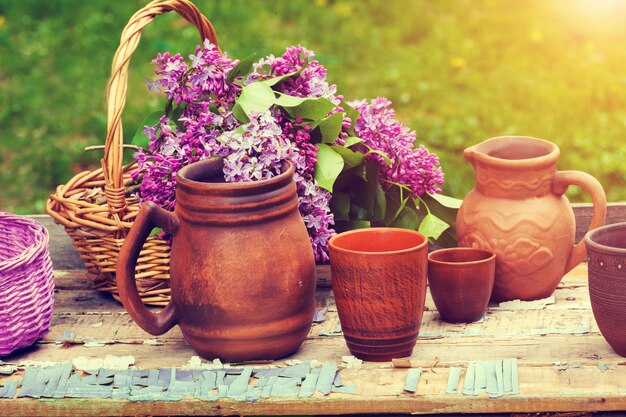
(379,280)
(461,281)
(606,248)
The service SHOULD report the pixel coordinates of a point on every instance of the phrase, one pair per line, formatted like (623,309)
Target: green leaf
(242,68)
(285,100)
(330,127)
(273,81)
(447,201)
(169,106)
(350,157)
(340,206)
(328,166)
(155,231)
(240,114)
(141,140)
(359,224)
(380,204)
(365,195)
(382,154)
(305,108)
(176,115)
(352,140)
(396,201)
(432,226)
(446,211)
(352,113)
(345,179)
(255,97)
(408,217)
(447,239)
(359,212)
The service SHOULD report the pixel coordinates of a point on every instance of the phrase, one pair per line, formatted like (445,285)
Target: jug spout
(470,155)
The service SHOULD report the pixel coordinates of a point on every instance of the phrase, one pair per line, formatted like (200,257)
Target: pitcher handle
(564,179)
(150,216)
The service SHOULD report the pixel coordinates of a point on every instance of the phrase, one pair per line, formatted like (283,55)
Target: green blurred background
(458,72)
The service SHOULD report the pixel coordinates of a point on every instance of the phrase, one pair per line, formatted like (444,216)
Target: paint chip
(326,377)
(469,380)
(7,369)
(108,362)
(352,362)
(412,379)
(453,380)
(525,305)
(94,343)
(320,315)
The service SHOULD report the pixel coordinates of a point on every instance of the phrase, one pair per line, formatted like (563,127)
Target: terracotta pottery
(379,282)
(606,247)
(460,282)
(242,267)
(518,211)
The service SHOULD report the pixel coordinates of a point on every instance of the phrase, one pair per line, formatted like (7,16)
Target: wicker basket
(97,208)
(26,282)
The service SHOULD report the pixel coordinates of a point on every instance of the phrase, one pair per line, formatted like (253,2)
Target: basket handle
(118,83)
(150,216)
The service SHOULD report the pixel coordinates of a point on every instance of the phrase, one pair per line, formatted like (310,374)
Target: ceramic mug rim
(536,161)
(590,243)
(332,242)
(490,258)
(183,179)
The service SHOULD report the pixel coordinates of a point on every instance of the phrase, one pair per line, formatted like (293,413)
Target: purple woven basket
(26,282)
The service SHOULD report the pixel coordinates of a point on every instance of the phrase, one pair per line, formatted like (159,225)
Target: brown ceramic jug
(518,211)
(242,268)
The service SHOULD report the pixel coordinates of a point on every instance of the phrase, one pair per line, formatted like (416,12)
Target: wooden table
(564,362)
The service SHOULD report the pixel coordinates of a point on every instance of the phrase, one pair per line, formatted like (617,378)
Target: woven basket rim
(34,249)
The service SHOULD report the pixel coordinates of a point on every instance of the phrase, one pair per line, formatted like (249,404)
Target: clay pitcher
(518,211)
(242,268)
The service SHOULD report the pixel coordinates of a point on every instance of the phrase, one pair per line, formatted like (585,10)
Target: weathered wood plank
(535,351)
(616,213)
(540,339)
(381,393)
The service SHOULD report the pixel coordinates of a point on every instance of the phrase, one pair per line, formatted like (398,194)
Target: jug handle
(150,216)
(562,180)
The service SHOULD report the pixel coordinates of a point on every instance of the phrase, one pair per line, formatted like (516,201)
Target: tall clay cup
(606,247)
(379,281)
(518,210)
(460,282)
(242,268)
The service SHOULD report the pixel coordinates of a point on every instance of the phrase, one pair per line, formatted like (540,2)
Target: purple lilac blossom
(257,149)
(416,168)
(311,82)
(256,152)
(197,89)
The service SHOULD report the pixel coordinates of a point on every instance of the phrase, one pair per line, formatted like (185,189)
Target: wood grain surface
(565,365)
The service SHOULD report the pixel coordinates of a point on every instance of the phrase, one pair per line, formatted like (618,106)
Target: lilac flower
(258,149)
(416,168)
(314,206)
(311,82)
